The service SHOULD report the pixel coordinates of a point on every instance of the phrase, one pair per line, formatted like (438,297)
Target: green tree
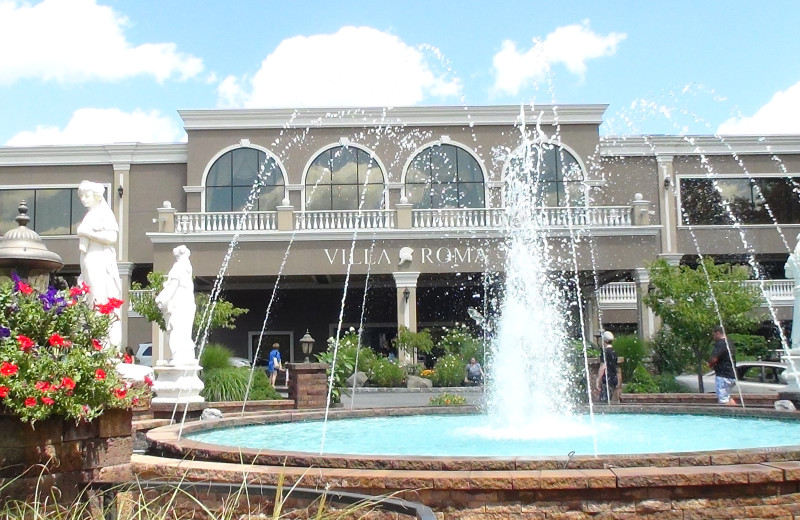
(223,315)
(691,302)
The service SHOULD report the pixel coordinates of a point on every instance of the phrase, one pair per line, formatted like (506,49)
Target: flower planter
(58,453)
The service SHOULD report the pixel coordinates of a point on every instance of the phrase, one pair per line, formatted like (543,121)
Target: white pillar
(406,283)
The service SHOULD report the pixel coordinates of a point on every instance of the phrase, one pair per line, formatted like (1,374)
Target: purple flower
(52,299)
(5,332)
(15,277)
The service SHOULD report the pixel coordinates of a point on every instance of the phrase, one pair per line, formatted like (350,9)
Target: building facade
(318,220)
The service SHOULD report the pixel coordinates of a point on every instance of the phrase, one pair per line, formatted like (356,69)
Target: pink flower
(100,374)
(24,288)
(8,369)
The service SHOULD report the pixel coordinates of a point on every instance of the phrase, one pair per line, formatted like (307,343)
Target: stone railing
(402,217)
(622,295)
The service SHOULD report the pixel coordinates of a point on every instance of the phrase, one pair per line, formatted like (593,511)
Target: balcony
(401,218)
(622,295)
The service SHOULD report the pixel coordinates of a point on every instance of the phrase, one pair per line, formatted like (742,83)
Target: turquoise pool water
(473,435)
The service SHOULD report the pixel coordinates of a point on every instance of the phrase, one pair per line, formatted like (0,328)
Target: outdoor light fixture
(406,294)
(666,182)
(307,344)
(120,190)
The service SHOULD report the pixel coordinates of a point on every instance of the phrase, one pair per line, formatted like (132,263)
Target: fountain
(527,403)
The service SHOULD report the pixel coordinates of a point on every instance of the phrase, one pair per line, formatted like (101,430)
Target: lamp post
(307,344)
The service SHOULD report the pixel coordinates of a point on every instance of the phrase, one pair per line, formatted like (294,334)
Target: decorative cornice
(399,116)
(135,153)
(650,146)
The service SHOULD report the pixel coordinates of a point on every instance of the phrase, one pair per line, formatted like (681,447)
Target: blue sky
(100,71)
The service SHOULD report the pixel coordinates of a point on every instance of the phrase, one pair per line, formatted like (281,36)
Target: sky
(106,71)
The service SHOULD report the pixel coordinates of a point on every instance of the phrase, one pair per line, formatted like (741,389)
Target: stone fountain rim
(170,441)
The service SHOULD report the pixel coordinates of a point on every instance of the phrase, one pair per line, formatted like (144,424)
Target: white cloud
(78,40)
(780,116)
(572,46)
(356,66)
(101,126)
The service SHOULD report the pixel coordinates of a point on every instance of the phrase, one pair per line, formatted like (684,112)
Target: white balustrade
(366,219)
(229,221)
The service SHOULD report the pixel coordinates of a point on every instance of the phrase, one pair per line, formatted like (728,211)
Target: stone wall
(308,386)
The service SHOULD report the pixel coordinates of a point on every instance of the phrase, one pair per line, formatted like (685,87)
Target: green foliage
(223,315)
(576,369)
(230,384)
(749,346)
(384,373)
(641,382)
(459,340)
(446,399)
(408,341)
(449,371)
(344,364)
(215,356)
(633,350)
(52,359)
(669,356)
(691,301)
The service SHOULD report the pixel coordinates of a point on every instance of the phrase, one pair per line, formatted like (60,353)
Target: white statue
(792,270)
(97,236)
(176,301)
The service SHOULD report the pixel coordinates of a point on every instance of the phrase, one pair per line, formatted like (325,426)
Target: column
(406,284)
(125,271)
(648,321)
(667,187)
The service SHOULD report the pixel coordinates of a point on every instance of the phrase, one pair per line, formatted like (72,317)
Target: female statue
(176,301)
(97,236)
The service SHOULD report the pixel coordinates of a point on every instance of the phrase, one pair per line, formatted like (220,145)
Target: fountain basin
(753,483)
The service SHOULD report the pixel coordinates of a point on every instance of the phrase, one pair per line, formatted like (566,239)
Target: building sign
(444,256)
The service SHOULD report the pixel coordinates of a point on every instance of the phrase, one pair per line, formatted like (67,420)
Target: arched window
(344,178)
(445,176)
(232,176)
(551,175)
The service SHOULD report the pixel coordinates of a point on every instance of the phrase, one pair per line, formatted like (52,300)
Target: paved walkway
(396,397)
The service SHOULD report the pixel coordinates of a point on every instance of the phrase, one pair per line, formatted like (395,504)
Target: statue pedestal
(792,390)
(177,384)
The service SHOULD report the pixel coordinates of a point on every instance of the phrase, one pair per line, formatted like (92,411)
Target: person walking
(607,375)
(274,363)
(723,361)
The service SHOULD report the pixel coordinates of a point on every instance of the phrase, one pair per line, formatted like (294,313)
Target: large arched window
(445,176)
(231,178)
(344,178)
(550,174)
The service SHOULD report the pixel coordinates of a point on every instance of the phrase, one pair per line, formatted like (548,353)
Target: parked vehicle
(144,354)
(754,377)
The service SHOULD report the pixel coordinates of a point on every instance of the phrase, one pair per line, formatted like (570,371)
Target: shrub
(215,356)
(459,340)
(449,371)
(448,400)
(641,382)
(410,341)
(633,350)
(669,356)
(384,373)
(749,346)
(230,384)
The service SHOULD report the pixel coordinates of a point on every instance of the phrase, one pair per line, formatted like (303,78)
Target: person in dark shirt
(723,361)
(607,379)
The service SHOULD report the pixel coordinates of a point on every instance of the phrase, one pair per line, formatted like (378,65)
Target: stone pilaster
(308,386)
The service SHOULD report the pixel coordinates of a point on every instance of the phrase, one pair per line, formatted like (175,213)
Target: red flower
(24,288)
(44,386)
(30,402)
(115,303)
(120,392)
(4,391)
(97,345)
(8,369)
(100,374)
(67,383)
(25,343)
(56,340)
(148,381)
(127,359)
(48,401)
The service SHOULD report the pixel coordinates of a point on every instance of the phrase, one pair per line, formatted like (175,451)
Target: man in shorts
(723,361)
